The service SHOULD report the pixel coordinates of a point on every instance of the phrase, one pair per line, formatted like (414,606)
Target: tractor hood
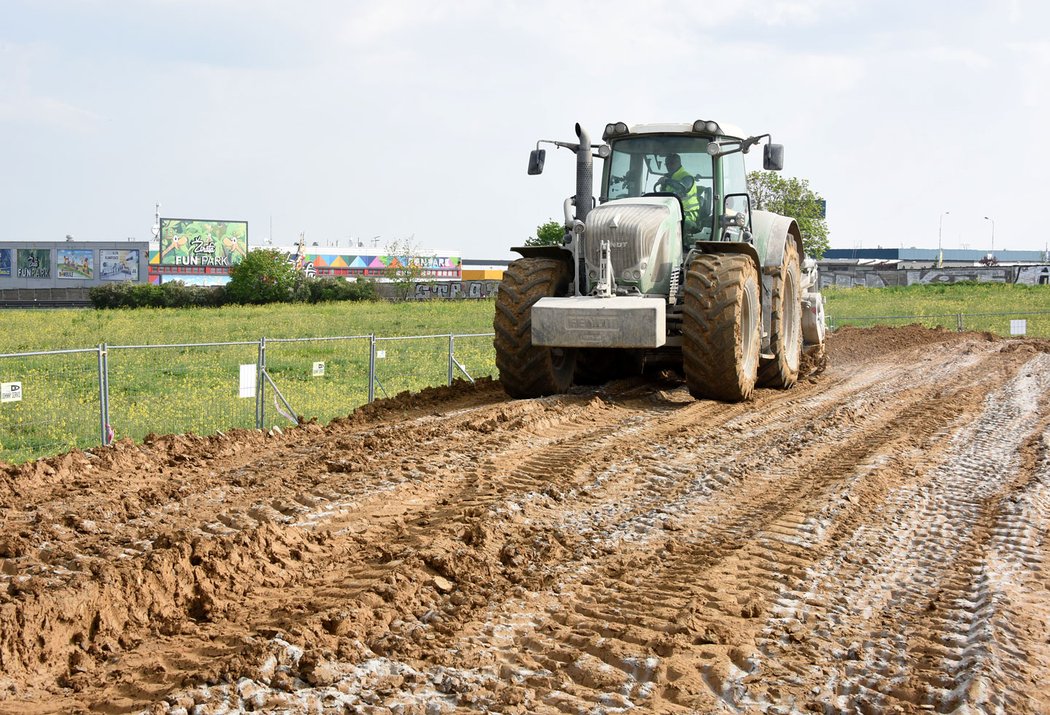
(645,241)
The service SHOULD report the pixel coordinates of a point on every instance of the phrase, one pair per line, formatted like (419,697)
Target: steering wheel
(666,183)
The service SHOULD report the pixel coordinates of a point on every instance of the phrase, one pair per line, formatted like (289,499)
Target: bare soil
(873,540)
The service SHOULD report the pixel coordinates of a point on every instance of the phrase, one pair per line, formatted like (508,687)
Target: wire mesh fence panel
(319,378)
(50,403)
(1035,325)
(948,322)
(410,364)
(1032,325)
(176,389)
(476,355)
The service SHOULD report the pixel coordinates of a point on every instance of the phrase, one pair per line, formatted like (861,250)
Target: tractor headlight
(702,125)
(614,130)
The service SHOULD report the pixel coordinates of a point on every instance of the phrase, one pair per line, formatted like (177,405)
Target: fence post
(451,357)
(372,368)
(260,386)
(959,322)
(103,393)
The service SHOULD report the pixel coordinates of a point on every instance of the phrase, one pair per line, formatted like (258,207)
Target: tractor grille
(630,229)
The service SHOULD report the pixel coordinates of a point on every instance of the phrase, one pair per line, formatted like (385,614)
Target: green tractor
(670,266)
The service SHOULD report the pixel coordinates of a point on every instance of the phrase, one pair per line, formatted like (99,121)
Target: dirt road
(874,540)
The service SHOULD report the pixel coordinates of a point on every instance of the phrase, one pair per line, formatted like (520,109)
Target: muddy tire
(721,325)
(785,327)
(527,370)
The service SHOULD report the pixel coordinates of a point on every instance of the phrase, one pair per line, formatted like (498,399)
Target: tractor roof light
(706,126)
(614,130)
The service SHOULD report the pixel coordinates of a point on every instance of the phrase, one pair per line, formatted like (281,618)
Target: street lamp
(993,231)
(940,228)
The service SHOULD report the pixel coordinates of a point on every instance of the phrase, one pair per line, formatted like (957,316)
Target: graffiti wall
(857,276)
(461,289)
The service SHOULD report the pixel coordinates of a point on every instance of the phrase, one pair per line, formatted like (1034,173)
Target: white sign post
(248,375)
(10,392)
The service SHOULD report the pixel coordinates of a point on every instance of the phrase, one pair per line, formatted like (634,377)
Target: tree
(548,234)
(263,276)
(792,197)
(405,268)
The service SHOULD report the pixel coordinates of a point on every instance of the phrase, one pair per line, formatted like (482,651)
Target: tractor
(670,266)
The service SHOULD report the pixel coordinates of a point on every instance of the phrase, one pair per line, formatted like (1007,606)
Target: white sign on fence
(1018,327)
(10,392)
(318,369)
(248,373)
(380,354)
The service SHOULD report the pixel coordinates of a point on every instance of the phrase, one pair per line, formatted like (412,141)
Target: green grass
(982,306)
(194,389)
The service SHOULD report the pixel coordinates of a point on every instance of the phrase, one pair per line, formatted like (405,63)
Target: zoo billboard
(34,262)
(199,242)
(118,265)
(5,262)
(75,263)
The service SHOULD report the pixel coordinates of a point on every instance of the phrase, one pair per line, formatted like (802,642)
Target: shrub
(263,276)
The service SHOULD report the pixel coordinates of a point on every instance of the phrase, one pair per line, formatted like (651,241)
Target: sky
(412,121)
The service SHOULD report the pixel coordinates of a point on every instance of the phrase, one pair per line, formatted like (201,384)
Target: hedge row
(177,294)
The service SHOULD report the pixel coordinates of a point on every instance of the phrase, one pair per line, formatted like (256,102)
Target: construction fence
(54,401)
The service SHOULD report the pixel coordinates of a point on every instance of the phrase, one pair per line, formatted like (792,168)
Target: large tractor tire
(785,326)
(528,370)
(721,327)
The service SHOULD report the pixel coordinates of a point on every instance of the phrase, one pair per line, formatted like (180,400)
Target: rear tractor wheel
(785,325)
(527,370)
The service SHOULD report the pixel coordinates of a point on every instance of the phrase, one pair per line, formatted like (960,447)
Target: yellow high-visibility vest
(690,202)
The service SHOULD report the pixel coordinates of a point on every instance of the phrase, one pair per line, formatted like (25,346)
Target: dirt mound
(849,345)
(872,540)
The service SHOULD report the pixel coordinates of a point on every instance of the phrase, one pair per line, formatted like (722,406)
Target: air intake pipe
(584,174)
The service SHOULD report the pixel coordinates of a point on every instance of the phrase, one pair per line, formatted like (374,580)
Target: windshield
(637,165)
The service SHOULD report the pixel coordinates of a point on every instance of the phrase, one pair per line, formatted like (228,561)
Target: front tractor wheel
(527,370)
(721,325)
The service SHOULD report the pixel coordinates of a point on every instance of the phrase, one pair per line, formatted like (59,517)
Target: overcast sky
(402,118)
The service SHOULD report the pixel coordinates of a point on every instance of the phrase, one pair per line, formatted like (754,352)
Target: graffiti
(856,278)
(463,289)
(957,275)
(1034,275)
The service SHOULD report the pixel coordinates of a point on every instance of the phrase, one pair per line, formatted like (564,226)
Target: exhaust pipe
(584,174)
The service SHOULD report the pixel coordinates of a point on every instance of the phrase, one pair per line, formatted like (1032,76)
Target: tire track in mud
(916,622)
(632,626)
(629,664)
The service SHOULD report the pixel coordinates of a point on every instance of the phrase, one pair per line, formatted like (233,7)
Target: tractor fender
(770,234)
(556,252)
(730,247)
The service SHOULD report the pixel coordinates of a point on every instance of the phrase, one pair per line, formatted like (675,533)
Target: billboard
(34,263)
(118,265)
(75,263)
(197,242)
(6,262)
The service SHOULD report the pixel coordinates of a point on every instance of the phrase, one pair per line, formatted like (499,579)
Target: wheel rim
(748,345)
(793,322)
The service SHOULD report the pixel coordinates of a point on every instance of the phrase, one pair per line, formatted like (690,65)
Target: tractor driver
(681,183)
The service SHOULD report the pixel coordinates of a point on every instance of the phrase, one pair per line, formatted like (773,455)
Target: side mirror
(536,159)
(773,157)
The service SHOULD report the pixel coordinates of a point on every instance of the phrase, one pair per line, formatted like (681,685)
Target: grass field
(977,306)
(195,389)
